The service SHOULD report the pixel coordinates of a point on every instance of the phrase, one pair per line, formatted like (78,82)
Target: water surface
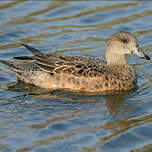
(38,120)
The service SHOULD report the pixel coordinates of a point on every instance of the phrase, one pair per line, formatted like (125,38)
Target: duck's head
(123,43)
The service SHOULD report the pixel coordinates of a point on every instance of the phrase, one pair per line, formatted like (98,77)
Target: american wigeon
(81,73)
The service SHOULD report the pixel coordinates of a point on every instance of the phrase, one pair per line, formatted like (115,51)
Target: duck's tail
(9,64)
(24,71)
(17,67)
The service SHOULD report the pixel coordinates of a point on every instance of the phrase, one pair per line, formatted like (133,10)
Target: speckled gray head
(123,43)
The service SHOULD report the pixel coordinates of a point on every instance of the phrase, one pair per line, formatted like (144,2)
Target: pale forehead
(123,35)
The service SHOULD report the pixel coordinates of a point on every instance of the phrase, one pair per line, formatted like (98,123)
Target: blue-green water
(36,120)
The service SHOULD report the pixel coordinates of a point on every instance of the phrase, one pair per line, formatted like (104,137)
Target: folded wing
(76,65)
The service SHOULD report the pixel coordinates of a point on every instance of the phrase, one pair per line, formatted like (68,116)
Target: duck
(77,73)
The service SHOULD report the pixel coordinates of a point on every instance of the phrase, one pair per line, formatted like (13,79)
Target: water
(36,120)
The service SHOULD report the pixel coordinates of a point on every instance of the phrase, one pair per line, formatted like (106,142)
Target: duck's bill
(141,54)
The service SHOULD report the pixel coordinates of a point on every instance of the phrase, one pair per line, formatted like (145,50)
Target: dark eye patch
(124,40)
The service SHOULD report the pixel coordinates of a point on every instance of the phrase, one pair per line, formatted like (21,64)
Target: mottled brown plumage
(81,73)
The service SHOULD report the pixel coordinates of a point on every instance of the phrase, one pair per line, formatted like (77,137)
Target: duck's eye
(125,41)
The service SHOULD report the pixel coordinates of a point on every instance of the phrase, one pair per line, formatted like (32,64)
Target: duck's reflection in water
(112,99)
(86,106)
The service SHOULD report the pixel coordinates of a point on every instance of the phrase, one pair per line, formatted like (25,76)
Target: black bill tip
(147,57)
